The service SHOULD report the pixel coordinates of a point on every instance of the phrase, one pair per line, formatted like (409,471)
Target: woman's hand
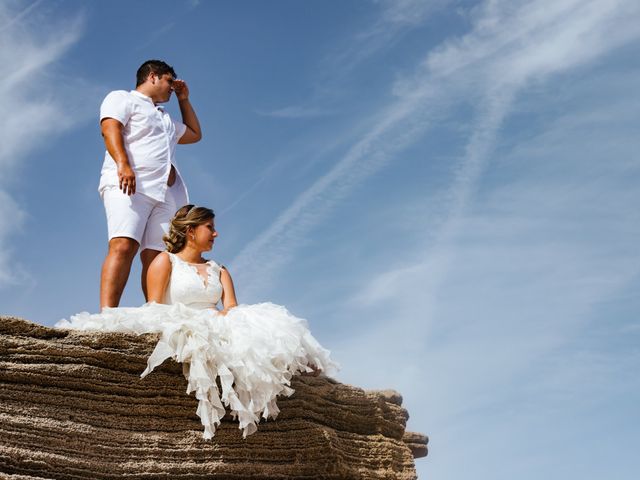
(225,310)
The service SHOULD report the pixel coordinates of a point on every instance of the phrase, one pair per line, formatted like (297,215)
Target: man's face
(163,86)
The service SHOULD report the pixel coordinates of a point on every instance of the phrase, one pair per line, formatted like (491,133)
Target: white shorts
(141,217)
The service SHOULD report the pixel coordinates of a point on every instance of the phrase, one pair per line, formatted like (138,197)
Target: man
(140,185)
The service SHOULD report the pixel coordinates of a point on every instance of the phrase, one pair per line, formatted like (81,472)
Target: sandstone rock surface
(72,406)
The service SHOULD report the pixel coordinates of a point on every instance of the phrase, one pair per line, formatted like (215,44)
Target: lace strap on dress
(171,257)
(215,268)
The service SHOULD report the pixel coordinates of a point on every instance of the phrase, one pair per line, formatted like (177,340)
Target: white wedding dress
(254,350)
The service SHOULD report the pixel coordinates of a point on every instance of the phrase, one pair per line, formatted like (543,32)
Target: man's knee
(123,247)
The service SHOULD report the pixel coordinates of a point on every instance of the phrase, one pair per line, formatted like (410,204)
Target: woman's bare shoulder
(161,262)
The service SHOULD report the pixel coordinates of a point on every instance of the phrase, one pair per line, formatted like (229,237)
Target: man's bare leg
(146,257)
(115,270)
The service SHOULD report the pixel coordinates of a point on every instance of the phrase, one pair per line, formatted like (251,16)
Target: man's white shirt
(150,139)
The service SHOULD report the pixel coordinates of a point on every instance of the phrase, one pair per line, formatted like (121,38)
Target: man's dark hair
(153,66)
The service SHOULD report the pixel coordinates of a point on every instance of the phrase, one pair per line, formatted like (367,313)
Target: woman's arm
(158,276)
(228,292)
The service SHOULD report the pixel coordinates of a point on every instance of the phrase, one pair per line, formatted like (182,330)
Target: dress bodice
(188,287)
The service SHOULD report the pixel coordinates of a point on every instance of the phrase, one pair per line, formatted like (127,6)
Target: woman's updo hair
(187,217)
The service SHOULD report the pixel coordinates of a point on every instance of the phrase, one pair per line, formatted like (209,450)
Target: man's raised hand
(181,89)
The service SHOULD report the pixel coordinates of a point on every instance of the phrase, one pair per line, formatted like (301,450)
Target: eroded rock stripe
(72,406)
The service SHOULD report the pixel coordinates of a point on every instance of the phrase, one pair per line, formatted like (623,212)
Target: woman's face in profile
(204,235)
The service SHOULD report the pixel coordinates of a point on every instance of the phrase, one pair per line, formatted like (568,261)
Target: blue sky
(447,190)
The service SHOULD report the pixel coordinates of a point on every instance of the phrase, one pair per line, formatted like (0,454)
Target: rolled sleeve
(116,105)
(180,128)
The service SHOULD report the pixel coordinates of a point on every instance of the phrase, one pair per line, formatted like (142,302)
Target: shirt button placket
(163,119)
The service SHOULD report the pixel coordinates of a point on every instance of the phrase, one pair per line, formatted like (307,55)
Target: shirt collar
(144,97)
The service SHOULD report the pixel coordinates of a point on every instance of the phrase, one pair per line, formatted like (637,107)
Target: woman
(253,350)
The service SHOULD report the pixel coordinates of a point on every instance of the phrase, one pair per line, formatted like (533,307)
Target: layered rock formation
(73,406)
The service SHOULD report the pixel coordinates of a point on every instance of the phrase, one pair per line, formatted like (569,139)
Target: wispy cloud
(160,33)
(297,111)
(508,305)
(35,103)
(370,153)
(509,46)
(392,20)
(14,19)
(396,19)
(500,328)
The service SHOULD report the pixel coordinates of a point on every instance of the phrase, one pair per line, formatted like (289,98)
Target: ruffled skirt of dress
(254,351)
